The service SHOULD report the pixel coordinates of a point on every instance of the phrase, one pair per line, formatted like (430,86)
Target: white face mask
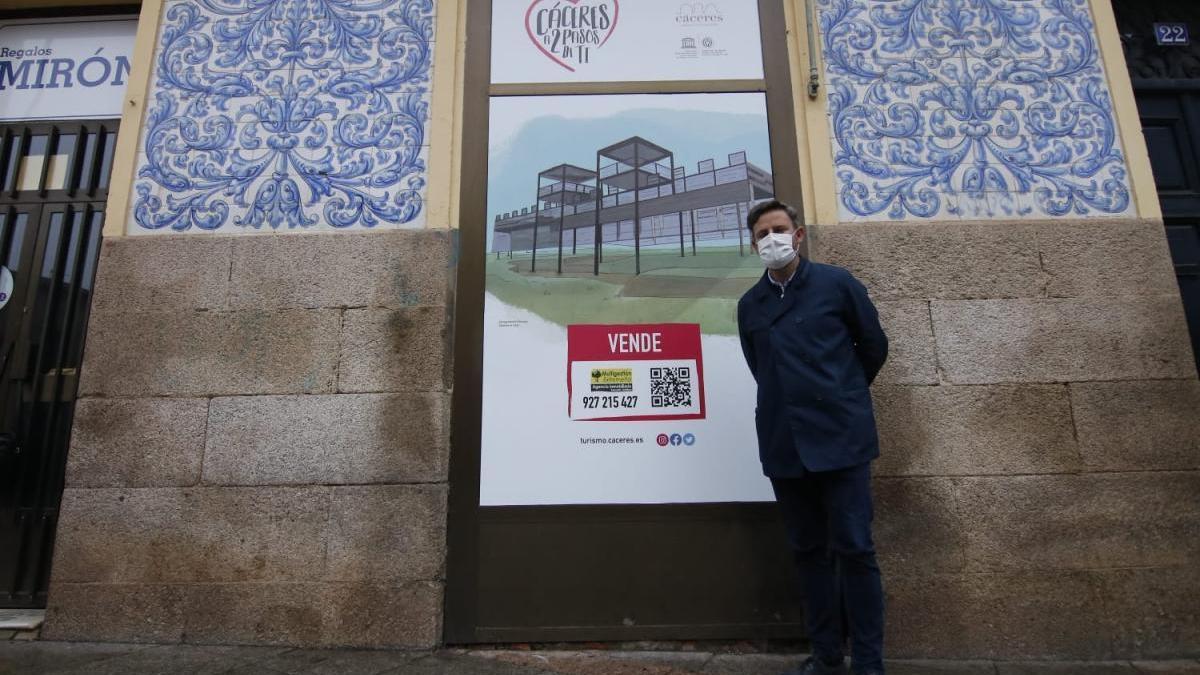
(776,250)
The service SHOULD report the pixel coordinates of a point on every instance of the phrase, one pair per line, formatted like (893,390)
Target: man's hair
(762,208)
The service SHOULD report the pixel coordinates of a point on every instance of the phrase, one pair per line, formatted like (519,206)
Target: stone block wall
(260,446)
(1037,488)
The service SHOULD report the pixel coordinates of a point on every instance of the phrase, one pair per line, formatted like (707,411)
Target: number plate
(1172,34)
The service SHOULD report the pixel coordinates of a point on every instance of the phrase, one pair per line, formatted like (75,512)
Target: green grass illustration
(701,288)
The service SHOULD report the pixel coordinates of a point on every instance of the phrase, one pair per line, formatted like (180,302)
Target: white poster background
(82,43)
(652,40)
(533,454)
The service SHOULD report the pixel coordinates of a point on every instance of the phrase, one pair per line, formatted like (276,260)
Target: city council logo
(569,32)
(699,14)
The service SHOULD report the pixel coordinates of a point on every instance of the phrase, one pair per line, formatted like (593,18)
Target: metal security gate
(54,182)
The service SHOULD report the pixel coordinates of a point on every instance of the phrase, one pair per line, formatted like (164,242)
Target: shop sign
(56,71)
(624,40)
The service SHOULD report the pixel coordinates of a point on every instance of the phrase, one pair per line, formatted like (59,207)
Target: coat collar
(764,290)
(768,297)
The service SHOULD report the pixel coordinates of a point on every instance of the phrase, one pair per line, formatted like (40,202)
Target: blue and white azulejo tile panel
(286,115)
(970,109)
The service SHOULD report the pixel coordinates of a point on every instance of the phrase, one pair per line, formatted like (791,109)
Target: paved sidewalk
(63,658)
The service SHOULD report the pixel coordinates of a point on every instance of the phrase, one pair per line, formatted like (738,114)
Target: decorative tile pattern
(966,109)
(304,114)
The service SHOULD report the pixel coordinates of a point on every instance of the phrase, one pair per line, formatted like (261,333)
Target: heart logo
(569,31)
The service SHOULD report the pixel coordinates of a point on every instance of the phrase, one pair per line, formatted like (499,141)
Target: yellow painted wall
(1141,178)
(445,111)
(121,183)
(815,147)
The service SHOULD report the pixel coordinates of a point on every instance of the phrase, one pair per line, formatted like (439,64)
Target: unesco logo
(688,439)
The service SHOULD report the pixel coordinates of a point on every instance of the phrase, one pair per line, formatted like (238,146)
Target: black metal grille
(54,181)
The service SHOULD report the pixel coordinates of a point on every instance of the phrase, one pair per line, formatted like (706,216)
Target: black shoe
(814,666)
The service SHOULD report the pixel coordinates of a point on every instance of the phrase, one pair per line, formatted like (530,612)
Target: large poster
(617,251)
(624,40)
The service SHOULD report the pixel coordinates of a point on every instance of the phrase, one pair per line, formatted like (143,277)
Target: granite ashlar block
(191,353)
(1106,258)
(972,430)
(136,612)
(254,613)
(1085,521)
(1062,340)
(394,350)
(1155,611)
(383,616)
(327,439)
(151,442)
(389,268)
(160,535)
(1136,426)
(1003,616)
(387,534)
(912,355)
(917,526)
(946,260)
(154,274)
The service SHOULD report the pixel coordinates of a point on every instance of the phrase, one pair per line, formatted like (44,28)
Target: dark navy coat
(814,353)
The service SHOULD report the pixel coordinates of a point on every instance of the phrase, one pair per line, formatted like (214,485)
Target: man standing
(813,342)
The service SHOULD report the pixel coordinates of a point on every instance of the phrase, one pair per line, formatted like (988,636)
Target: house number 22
(1172,34)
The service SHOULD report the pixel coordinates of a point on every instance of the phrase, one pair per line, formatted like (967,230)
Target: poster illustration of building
(617,251)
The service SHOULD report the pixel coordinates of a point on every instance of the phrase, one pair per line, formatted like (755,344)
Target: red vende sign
(619,372)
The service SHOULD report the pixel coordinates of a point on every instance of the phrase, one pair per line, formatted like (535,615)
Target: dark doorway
(1166,83)
(54,182)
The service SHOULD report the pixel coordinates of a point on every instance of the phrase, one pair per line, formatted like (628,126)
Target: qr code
(671,387)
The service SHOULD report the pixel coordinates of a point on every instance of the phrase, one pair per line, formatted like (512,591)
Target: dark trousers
(828,518)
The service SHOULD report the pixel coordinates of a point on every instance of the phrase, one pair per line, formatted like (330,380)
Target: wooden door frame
(462,587)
